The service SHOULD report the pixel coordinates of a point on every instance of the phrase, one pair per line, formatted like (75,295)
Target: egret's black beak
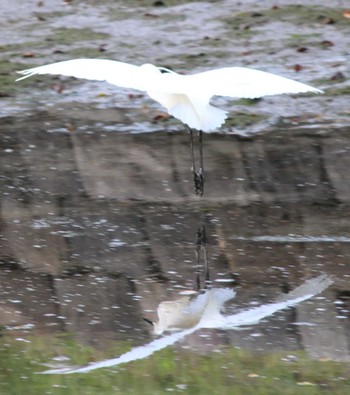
(148,321)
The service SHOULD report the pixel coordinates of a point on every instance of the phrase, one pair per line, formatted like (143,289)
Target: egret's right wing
(120,74)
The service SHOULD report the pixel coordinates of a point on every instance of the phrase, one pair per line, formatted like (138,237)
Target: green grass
(8,76)
(243,119)
(231,371)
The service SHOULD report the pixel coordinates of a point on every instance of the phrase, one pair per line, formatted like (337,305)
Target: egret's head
(157,329)
(149,69)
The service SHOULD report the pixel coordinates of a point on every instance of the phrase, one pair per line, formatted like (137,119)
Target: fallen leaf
(58,51)
(328,20)
(302,49)
(338,76)
(135,95)
(40,18)
(150,15)
(346,14)
(58,88)
(28,54)
(327,43)
(297,67)
(71,128)
(161,116)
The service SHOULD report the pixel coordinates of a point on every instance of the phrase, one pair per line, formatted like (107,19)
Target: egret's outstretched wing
(121,74)
(135,354)
(305,291)
(246,83)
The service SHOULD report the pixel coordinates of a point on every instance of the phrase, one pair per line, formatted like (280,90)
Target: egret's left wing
(240,82)
(307,290)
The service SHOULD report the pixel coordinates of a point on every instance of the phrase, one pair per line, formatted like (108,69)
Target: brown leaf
(102,48)
(346,14)
(58,51)
(58,88)
(150,15)
(338,76)
(71,128)
(245,53)
(28,54)
(161,116)
(327,43)
(132,96)
(40,18)
(302,49)
(327,21)
(297,67)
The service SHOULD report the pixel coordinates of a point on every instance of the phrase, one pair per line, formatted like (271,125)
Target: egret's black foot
(198,179)
(201,239)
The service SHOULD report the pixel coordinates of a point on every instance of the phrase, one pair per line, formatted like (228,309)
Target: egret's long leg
(198,259)
(201,163)
(206,264)
(193,164)
(198,177)
(201,247)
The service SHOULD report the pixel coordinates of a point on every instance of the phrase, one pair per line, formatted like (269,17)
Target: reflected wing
(306,291)
(133,355)
(121,74)
(246,83)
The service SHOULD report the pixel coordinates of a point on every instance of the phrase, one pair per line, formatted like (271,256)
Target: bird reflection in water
(202,309)
(187,310)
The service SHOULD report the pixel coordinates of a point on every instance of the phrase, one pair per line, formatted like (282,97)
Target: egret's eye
(164,70)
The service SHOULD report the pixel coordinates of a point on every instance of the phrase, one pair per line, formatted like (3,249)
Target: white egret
(210,317)
(186,97)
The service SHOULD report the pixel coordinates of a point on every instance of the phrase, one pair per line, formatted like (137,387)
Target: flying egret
(186,97)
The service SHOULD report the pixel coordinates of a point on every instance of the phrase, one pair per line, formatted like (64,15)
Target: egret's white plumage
(186,311)
(186,97)
(210,317)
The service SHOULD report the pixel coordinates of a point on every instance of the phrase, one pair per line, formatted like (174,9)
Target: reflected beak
(148,321)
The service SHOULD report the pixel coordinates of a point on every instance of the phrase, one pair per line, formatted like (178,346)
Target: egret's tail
(212,118)
(206,118)
(195,112)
